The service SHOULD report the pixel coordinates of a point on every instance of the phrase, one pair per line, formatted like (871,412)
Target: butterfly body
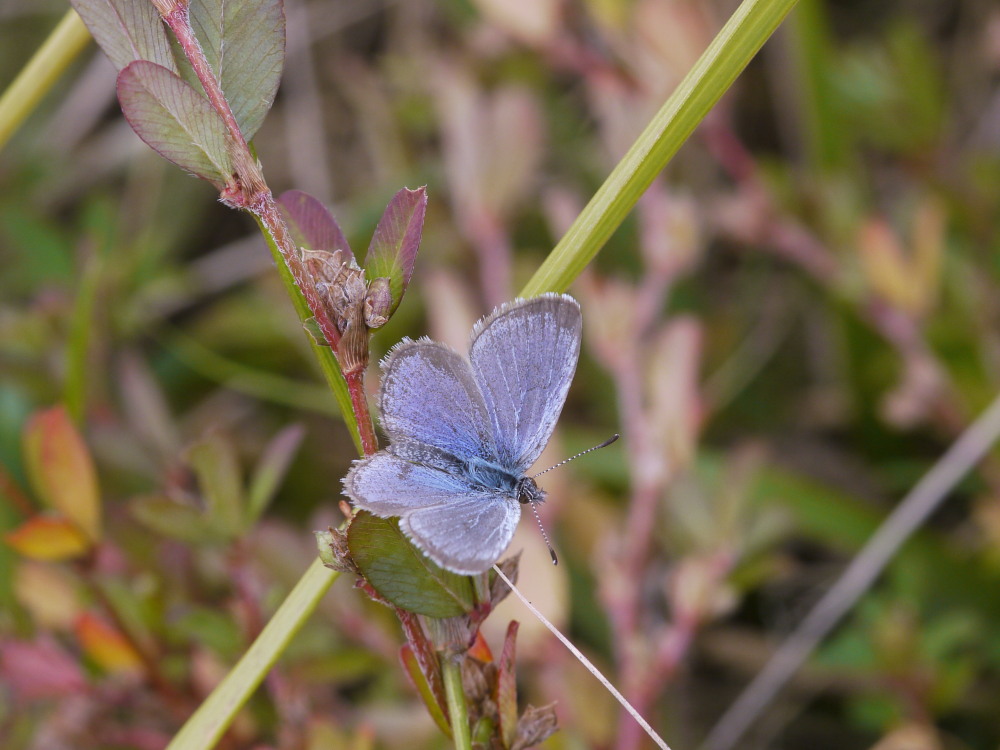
(463,432)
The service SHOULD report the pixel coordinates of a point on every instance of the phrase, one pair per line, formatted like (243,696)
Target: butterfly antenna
(605,444)
(552,552)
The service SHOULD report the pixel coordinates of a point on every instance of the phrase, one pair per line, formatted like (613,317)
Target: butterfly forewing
(429,396)
(523,358)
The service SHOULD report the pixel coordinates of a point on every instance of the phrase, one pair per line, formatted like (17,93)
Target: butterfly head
(528,491)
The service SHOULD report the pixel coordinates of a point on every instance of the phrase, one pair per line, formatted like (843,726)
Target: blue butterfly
(463,432)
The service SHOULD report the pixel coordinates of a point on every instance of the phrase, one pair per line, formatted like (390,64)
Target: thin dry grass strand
(911,512)
(585,662)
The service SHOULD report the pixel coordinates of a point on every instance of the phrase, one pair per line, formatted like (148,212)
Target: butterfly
(463,432)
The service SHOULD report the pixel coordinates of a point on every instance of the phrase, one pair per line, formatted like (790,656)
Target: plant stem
(458,712)
(254,196)
(738,41)
(65,42)
(359,402)
(208,723)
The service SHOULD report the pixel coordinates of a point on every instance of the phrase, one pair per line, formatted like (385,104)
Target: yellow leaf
(106,646)
(48,593)
(48,539)
(61,469)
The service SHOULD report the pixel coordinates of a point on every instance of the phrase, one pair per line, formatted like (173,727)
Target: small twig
(911,512)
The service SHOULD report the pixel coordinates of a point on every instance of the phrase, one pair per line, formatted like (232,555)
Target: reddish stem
(247,190)
(179,21)
(359,401)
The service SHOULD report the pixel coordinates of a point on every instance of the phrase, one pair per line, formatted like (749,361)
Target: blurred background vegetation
(798,319)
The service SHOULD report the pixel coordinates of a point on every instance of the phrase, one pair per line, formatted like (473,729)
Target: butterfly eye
(529,492)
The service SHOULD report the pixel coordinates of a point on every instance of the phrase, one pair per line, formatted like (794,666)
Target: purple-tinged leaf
(507,688)
(393,250)
(244,42)
(127,30)
(311,224)
(175,120)
(40,670)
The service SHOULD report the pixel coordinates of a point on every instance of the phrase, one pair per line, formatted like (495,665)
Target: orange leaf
(480,649)
(47,538)
(106,646)
(61,469)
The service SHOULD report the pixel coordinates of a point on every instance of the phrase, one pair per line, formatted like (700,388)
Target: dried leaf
(393,250)
(311,224)
(48,539)
(507,688)
(334,552)
(498,589)
(244,43)
(536,725)
(61,470)
(106,646)
(127,30)
(175,121)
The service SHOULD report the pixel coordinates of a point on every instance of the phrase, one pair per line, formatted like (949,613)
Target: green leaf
(244,42)
(393,250)
(214,461)
(171,519)
(401,573)
(127,30)
(271,469)
(175,120)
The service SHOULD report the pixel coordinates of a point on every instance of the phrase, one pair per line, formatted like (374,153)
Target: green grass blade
(210,721)
(738,41)
(65,42)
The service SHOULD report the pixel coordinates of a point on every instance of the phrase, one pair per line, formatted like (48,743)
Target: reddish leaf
(393,250)
(48,539)
(507,688)
(39,670)
(244,43)
(127,30)
(106,646)
(480,649)
(61,469)
(311,225)
(175,121)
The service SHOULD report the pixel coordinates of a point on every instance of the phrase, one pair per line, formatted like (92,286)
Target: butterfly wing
(467,535)
(523,357)
(460,527)
(430,396)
